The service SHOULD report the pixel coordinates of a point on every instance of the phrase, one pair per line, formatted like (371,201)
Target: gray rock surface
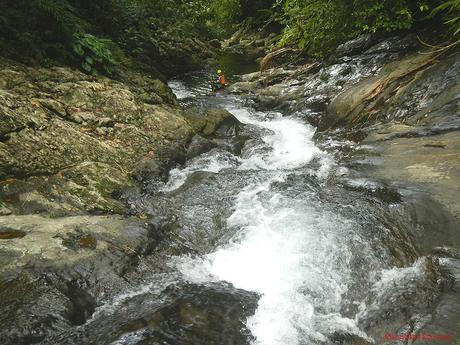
(393,95)
(70,145)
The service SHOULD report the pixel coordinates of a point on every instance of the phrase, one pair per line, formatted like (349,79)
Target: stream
(276,243)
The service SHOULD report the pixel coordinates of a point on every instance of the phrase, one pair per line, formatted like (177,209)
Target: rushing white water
(288,145)
(180,90)
(290,251)
(212,161)
(290,142)
(276,220)
(291,254)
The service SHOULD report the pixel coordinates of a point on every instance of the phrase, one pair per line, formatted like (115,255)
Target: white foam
(389,278)
(288,146)
(131,338)
(388,283)
(290,143)
(179,89)
(290,253)
(212,161)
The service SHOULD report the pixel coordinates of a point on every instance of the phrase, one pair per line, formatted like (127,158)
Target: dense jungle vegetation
(98,35)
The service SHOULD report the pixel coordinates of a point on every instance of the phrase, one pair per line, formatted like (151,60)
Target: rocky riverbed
(122,207)
(71,144)
(396,98)
(389,111)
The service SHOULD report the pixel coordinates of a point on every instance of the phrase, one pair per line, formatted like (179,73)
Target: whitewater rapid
(289,250)
(280,244)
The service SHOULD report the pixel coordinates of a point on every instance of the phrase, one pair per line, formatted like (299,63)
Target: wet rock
(343,338)
(78,239)
(444,318)
(52,278)
(199,145)
(354,46)
(375,188)
(254,76)
(274,76)
(89,186)
(217,127)
(449,252)
(156,166)
(416,292)
(213,121)
(409,42)
(82,306)
(313,86)
(77,137)
(359,102)
(432,161)
(243,87)
(8,234)
(279,57)
(50,239)
(151,169)
(418,90)
(28,307)
(200,311)
(185,314)
(431,223)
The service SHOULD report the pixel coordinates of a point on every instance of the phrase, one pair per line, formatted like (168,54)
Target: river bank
(71,145)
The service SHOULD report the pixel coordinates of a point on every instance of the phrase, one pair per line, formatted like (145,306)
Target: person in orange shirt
(220,82)
(221,78)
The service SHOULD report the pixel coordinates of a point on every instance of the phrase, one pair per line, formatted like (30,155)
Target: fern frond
(62,13)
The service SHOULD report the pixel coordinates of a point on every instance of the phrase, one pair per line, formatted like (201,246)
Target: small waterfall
(285,247)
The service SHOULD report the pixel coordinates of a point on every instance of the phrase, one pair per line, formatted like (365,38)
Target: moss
(324,77)
(88,241)
(79,239)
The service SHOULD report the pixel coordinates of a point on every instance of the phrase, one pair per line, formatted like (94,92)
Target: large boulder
(54,272)
(420,87)
(213,121)
(73,140)
(211,127)
(69,142)
(433,161)
(354,46)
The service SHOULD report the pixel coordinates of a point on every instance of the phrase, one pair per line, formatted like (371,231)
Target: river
(275,244)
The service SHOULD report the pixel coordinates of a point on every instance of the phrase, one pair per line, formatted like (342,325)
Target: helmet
(219,71)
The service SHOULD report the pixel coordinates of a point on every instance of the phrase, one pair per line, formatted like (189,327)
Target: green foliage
(225,14)
(314,25)
(95,53)
(320,25)
(184,17)
(450,11)
(70,31)
(374,16)
(165,32)
(61,13)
